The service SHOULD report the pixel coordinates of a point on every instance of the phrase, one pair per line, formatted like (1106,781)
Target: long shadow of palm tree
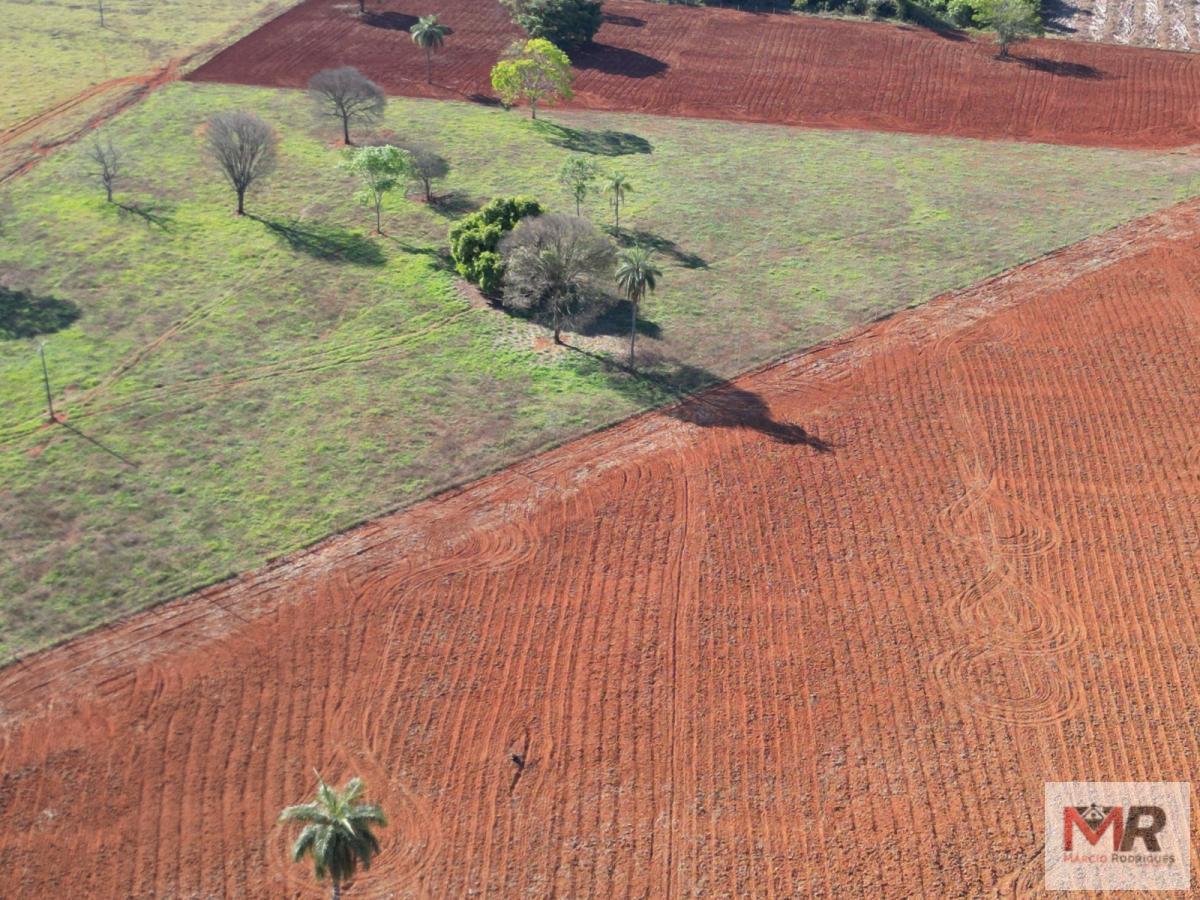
(91,440)
(703,399)
(656,242)
(614,321)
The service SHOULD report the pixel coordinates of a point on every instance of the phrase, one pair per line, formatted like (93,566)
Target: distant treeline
(944,13)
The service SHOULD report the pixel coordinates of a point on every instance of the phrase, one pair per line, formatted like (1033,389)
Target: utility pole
(46,382)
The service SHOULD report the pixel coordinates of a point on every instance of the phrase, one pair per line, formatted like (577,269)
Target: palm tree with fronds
(616,185)
(429,34)
(337,832)
(636,276)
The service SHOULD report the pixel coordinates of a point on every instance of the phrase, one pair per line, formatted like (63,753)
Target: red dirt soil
(793,70)
(735,663)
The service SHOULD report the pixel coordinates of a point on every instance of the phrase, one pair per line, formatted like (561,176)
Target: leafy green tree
(475,239)
(616,186)
(636,276)
(565,23)
(382,169)
(1014,21)
(577,175)
(429,34)
(337,833)
(535,71)
(557,268)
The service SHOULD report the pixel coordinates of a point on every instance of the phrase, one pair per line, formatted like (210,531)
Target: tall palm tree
(636,276)
(337,834)
(429,34)
(617,186)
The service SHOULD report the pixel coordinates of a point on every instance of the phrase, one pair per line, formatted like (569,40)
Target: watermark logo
(1118,835)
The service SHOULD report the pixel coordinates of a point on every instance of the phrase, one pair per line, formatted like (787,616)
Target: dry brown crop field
(794,70)
(1168,24)
(786,638)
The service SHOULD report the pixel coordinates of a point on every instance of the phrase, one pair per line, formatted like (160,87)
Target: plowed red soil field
(721,63)
(823,631)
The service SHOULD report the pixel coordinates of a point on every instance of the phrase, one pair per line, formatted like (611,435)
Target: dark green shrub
(473,241)
(567,24)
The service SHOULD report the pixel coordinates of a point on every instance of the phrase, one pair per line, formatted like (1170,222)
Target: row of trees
(557,269)
(244,146)
(554,268)
(535,69)
(579,175)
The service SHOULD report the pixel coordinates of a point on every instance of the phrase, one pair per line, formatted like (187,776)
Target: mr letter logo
(1118,835)
(1093,821)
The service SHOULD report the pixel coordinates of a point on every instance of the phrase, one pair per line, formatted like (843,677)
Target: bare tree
(558,268)
(428,166)
(109,162)
(244,147)
(347,95)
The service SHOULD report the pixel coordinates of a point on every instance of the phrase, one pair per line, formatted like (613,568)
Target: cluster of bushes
(557,270)
(567,24)
(475,241)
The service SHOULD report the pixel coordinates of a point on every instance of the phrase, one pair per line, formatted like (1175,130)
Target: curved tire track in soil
(711,648)
(129,90)
(1005,671)
(132,89)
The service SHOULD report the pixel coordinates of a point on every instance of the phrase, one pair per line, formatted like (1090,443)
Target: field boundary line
(141,85)
(572,462)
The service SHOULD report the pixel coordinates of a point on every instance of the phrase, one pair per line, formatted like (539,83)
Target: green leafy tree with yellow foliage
(536,71)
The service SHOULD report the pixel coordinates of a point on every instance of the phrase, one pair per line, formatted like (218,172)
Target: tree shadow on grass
(157,214)
(599,143)
(439,256)
(326,242)
(454,204)
(618,61)
(614,321)
(659,244)
(704,399)
(25,315)
(482,99)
